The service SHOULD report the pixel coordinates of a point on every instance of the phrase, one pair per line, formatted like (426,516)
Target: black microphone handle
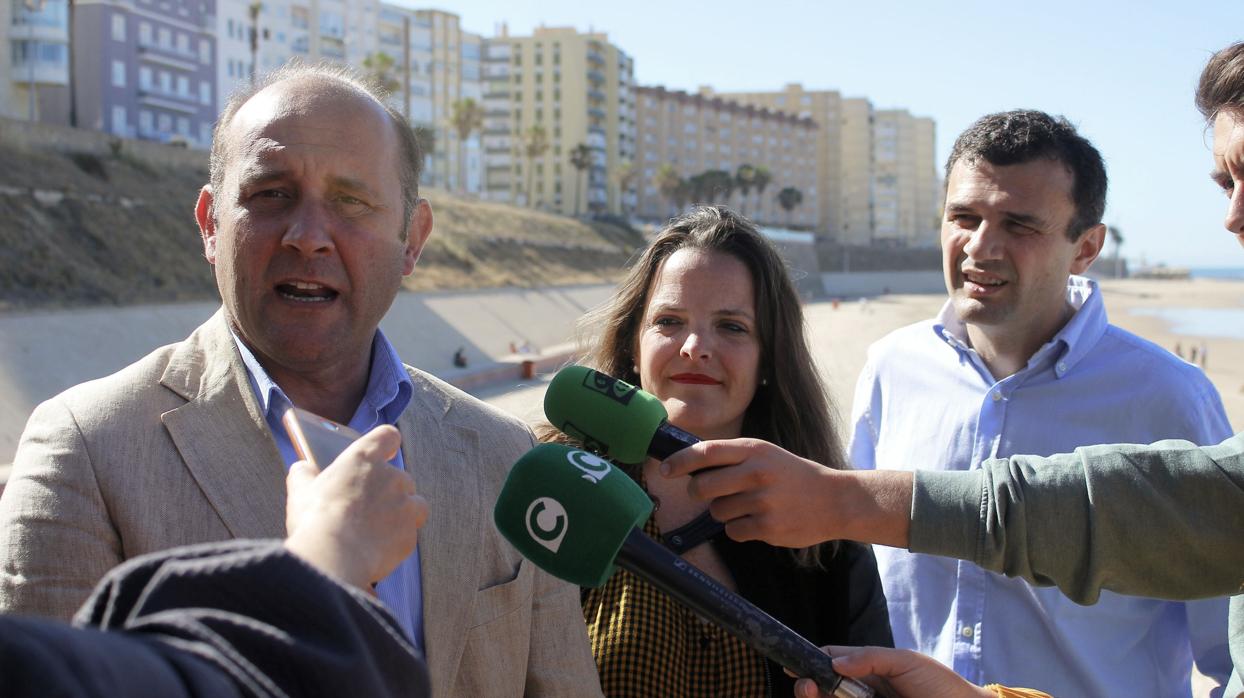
(688,585)
(669,440)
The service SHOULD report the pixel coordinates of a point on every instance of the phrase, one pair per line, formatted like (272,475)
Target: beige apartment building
(699,133)
(576,89)
(906,195)
(875,168)
(824,107)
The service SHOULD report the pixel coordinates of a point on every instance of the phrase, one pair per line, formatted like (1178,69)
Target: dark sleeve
(868,616)
(258,615)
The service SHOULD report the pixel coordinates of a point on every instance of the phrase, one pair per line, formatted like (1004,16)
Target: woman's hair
(790,408)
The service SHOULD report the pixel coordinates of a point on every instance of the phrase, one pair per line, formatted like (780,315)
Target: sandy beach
(840,336)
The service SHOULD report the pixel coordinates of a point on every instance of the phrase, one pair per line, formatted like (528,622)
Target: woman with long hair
(709,322)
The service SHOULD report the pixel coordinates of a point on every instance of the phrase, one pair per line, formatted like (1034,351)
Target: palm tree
(718,184)
(788,199)
(761,180)
(466,115)
(1116,237)
(626,174)
(253,10)
(744,180)
(379,69)
(425,137)
(535,145)
(670,185)
(580,159)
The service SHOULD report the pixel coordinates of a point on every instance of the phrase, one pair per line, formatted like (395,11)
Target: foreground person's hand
(764,492)
(895,673)
(359,517)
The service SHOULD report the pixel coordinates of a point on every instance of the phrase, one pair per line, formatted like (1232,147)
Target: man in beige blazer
(310,221)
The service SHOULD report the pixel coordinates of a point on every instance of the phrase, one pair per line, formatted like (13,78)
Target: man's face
(1005,251)
(306,234)
(1229,168)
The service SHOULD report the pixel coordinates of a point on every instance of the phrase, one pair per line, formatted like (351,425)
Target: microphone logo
(547,522)
(594,469)
(612,388)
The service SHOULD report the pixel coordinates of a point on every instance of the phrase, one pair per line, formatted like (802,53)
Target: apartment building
(855,163)
(151,68)
(696,133)
(824,107)
(34,65)
(576,89)
(906,193)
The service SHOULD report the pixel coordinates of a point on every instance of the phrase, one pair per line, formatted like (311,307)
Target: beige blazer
(173,450)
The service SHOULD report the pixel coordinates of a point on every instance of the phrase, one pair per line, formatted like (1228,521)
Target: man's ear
(205,214)
(1088,247)
(417,234)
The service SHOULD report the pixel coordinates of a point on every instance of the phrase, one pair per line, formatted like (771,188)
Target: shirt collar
(1076,338)
(389,388)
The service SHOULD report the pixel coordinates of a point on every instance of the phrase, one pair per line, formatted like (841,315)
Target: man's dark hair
(1221,87)
(410,155)
(1024,135)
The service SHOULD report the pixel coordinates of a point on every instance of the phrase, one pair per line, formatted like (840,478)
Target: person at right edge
(1164,520)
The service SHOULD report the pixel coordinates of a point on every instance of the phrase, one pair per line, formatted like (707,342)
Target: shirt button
(1062,367)
(997,395)
(967,631)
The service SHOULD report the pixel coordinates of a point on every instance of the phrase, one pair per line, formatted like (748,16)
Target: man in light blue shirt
(1021,360)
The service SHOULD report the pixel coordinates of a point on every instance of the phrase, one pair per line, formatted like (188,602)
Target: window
(183,43)
(183,85)
(164,37)
(144,122)
(118,120)
(164,123)
(183,125)
(144,33)
(118,73)
(144,78)
(205,93)
(166,82)
(118,27)
(205,52)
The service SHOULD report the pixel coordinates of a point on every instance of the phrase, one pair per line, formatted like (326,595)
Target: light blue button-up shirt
(389,390)
(926,400)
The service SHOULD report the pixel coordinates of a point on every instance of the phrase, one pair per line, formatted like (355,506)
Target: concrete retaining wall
(41,354)
(875,283)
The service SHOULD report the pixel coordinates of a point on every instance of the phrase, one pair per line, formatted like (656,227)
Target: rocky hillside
(110,227)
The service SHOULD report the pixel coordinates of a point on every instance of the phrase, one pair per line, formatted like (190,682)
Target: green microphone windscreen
(606,415)
(569,512)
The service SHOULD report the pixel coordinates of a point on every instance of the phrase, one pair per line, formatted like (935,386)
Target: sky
(1122,72)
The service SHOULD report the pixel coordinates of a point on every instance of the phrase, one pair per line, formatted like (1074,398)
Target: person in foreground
(1164,520)
(310,220)
(709,322)
(1021,359)
(248,618)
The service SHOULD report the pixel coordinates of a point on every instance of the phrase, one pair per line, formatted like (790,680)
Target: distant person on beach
(460,359)
(1021,359)
(1164,520)
(311,219)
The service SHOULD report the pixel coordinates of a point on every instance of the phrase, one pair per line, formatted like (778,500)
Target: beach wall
(875,283)
(43,353)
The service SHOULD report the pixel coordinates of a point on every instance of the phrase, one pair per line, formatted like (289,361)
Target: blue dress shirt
(389,390)
(925,399)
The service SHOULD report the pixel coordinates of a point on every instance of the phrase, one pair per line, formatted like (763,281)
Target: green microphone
(611,417)
(576,516)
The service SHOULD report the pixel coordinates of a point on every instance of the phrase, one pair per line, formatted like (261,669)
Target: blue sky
(1123,72)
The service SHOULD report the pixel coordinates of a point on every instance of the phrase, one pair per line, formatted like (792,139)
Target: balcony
(595,76)
(595,95)
(596,112)
(44,73)
(595,57)
(168,57)
(155,97)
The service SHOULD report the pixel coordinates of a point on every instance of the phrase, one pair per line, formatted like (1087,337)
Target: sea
(1205,322)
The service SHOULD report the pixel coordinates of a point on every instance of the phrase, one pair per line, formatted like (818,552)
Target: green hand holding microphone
(576,516)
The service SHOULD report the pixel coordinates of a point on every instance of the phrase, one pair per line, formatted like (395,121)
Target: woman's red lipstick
(694,379)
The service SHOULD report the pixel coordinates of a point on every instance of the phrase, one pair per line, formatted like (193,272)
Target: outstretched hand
(895,673)
(359,517)
(763,492)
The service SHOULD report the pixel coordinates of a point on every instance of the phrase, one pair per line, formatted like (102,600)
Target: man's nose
(985,242)
(1234,221)
(308,230)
